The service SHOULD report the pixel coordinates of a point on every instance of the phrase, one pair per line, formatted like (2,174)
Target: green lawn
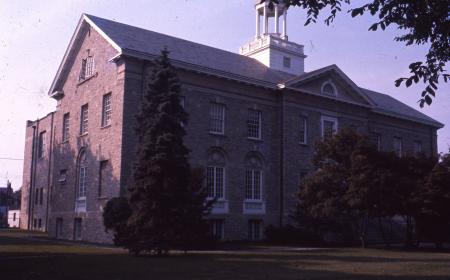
(29,256)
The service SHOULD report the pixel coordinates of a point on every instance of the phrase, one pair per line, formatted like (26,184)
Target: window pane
(216,118)
(248,184)
(106,110)
(328,129)
(210,181)
(219,182)
(253,124)
(84,119)
(302,130)
(256,184)
(65,130)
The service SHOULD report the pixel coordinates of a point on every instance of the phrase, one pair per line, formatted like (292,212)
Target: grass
(25,255)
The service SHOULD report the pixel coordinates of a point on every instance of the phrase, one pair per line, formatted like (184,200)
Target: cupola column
(277,31)
(258,25)
(266,21)
(284,36)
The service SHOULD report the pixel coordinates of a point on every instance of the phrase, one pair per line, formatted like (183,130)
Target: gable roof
(141,43)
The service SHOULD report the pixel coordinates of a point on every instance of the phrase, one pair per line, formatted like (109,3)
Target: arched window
(253,177)
(215,174)
(82,181)
(328,88)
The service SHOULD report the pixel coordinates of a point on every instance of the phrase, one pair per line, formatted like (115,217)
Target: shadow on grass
(35,260)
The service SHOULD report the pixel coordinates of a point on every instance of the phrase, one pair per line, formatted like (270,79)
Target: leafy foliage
(424,22)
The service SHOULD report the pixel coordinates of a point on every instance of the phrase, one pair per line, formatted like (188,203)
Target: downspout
(281,158)
(49,177)
(30,190)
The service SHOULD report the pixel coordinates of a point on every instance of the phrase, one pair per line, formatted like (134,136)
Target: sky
(34,36)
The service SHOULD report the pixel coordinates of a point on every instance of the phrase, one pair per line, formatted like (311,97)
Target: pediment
(330,82)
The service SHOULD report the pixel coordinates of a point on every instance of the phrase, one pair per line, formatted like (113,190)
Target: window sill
(87,79)
(65,141)
(84,134)
(105,126)
(102,198)
(255,139)
(303,144)
(216,133)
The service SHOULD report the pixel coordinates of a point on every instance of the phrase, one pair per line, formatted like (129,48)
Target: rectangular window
(418,147)
(34,223)
(329,127)
(254,230)
(303,130)
(215,181)
(36,196)
(41,197)
(77,229)
(65,128)
(375,140)
(254,124)
(102,177)
(84,118)
(59,226)
(82,182)
(287,62)
(398,146)
(217,229)
(217,118)
(14,216)
(106,110)
(39,223)
(41,144)
(253,184)
(87,68)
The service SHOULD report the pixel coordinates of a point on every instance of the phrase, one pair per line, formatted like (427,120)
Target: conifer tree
(166,198)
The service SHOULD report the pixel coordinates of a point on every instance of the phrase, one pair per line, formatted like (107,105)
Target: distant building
(14,218)
(6,199)
(253,121)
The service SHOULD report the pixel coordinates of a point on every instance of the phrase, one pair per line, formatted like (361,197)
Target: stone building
(253,120)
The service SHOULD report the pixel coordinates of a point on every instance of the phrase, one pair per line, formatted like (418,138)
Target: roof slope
(131,38)
(138,42)
(384,103)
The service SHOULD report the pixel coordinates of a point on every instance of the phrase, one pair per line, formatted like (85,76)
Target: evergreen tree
(166,198)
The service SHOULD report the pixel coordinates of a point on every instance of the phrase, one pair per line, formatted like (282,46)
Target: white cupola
(271,47)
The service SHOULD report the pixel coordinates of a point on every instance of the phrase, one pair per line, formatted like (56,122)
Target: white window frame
(324,119)
(217,118)
(106,110)
(304,120)
(335,91)
(215,180)
(250,123)
(250,185)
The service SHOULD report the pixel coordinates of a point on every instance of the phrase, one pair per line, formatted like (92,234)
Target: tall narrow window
(398,146)
(77,229)
(254,124)
(329,127)
(82,180)
(106,110)
(84,119)
(59,225)
(253,188)
(375,140)
(42,144)
(65,128)
(303,131)
(254,230)
(287,62)
(417,147)
(217,118)
(39,223)
(36,196)
(217,229)
(41,196)
(102,177)
(215,181)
